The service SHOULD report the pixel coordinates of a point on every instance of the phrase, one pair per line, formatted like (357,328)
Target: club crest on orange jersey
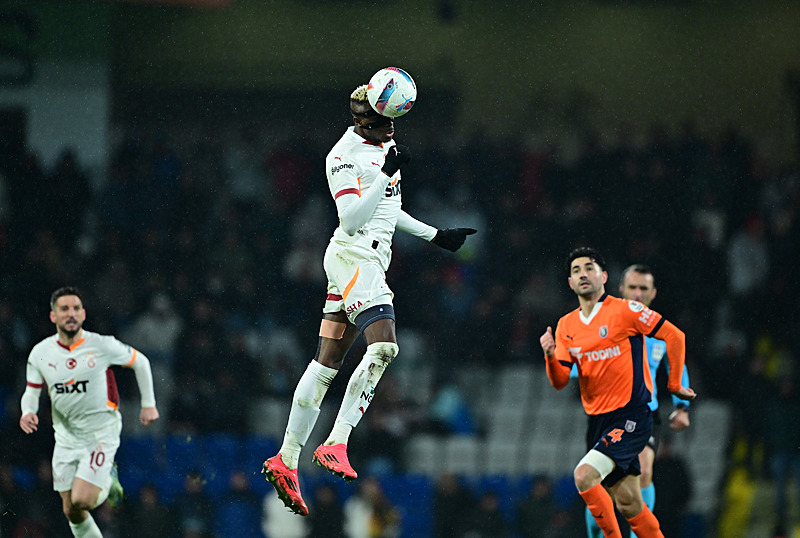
(635,306)
(603,331)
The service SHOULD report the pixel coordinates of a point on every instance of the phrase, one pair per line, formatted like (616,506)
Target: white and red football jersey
(82,388)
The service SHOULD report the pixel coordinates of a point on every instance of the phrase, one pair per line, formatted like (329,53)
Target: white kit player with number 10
(73,365)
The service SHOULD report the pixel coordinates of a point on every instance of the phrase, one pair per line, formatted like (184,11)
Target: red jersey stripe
(347,191)
(113,393)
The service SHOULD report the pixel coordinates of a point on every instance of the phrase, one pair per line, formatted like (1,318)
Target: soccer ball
(391,92)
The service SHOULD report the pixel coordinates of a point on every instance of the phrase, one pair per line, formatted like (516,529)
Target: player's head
(585,252)
(369,124)
(66,310)
(638,284)
(587,272)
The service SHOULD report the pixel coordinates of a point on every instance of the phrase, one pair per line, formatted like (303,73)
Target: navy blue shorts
(621,435)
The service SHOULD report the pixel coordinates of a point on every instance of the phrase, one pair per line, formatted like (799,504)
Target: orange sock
(602,508)
(645,525)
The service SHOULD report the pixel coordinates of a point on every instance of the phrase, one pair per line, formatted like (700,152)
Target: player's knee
(592,469)
(383,352)
(81,503)
(74,510)
(82,506)
(585,477)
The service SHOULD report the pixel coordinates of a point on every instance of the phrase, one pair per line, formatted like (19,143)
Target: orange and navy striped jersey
(608,347)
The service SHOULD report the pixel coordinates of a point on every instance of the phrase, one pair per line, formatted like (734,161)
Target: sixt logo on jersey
(335,169)
(71,387)
(599,355)
(393,189)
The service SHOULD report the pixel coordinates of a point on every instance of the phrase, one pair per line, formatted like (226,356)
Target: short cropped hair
(359,95)
(637,268)
(358,99)
(585,252)
(61,292)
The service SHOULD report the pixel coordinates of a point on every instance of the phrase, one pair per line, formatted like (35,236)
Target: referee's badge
(603,331)
(630,426)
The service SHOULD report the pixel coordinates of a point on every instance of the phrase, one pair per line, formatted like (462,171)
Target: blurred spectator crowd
(203,246)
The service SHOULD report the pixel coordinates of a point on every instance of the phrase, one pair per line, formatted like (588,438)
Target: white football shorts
(354,285)
(89,460)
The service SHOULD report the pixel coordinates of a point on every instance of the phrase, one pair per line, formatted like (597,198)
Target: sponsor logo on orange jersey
(598,355)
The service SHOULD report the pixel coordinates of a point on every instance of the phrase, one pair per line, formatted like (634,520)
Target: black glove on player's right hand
(452,238)
(397,156)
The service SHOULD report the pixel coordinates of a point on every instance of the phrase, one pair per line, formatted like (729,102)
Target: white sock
(307,398)
(87,529)
(360,390)
(339,434)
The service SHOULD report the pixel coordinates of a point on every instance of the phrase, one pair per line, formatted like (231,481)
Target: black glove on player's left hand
(452,238)
(397,156)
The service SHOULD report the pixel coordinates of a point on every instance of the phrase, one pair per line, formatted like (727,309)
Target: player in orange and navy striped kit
(605,339)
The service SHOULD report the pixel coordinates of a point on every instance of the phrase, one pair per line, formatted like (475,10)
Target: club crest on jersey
(630,426)
(635,306)
(71,363)
(603,331)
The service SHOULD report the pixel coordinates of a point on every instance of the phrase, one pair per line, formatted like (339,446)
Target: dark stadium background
(171,153)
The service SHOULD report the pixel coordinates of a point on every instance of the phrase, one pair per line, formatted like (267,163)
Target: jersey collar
(70,347)
(588,319)
(352,130)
